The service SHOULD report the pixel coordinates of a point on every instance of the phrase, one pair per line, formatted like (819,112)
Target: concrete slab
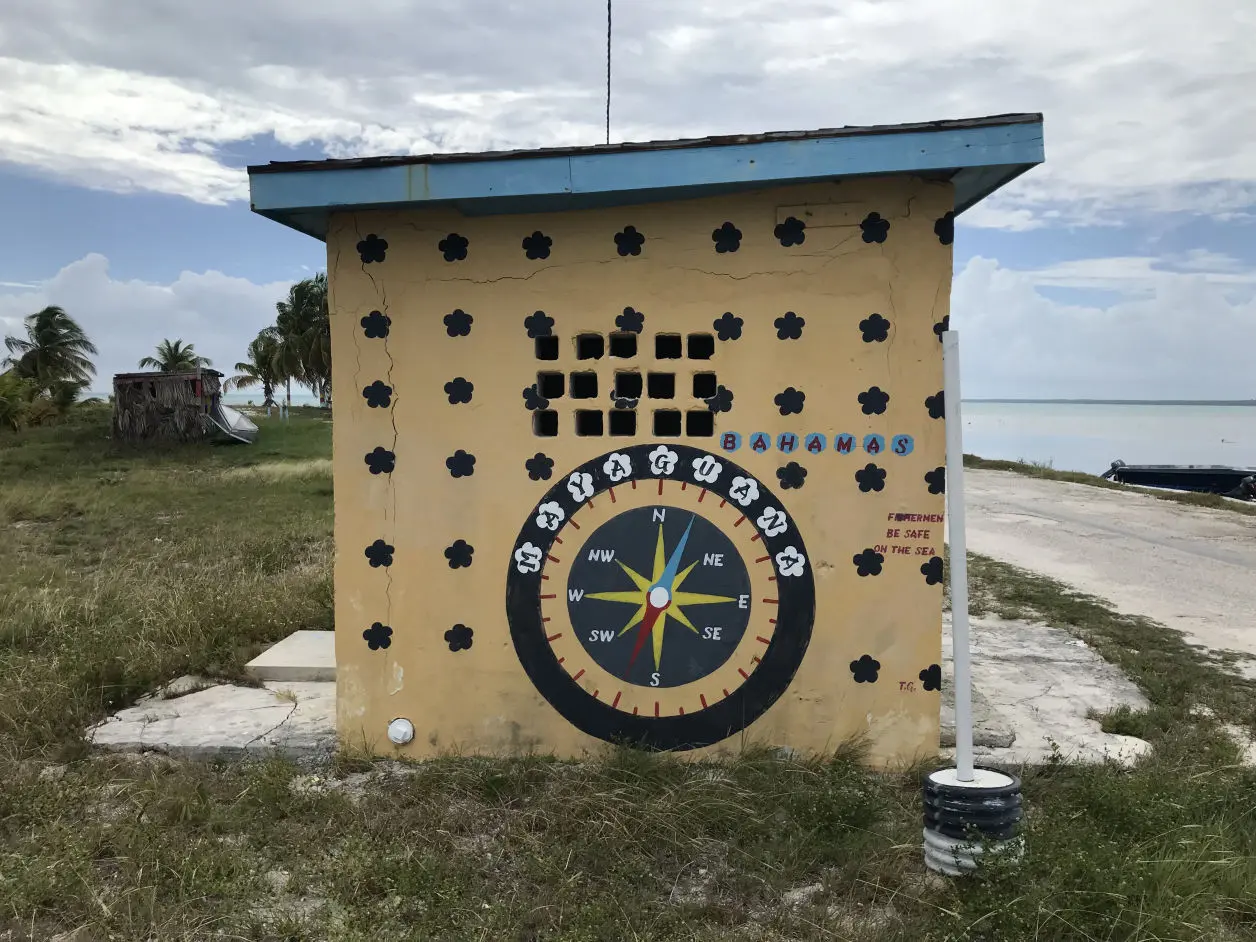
(297,719)
(1042,683)
(308,656)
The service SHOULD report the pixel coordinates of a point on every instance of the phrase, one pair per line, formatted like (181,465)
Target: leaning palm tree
(302,329)
(259,368)
(174,356)
(55,350)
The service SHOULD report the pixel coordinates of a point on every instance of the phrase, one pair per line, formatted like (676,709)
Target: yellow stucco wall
(478,699)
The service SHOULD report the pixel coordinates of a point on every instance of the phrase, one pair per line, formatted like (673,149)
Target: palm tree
(303,333)
(174,356)
(259,368)
(55,350)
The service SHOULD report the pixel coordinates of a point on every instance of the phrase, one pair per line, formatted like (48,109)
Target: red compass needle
(647,626)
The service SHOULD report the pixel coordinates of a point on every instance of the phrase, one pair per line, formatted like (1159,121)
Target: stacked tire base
(964,821)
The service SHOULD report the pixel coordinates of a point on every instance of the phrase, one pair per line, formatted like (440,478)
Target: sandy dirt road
(1187,567)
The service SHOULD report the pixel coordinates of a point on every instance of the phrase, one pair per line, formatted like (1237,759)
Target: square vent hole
(547,348)
(627,385)
(623,345)
(667,347)
(590,346)
(667,422)
(703,385)
(701,346)
(661,385)
(588,422)
(623,422)
(550,385)
(583,385)
(545,423)
(701,424)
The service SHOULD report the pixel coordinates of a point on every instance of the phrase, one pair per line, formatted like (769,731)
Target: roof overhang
(977,155)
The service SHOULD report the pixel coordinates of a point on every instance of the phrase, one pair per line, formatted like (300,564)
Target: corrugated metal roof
(287,166)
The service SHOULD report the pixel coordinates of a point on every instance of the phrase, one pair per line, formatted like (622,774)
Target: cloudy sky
(1124,267)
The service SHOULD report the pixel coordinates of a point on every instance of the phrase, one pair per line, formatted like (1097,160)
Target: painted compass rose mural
(660,595)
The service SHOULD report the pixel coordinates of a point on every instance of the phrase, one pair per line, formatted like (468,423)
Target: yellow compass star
(641,596)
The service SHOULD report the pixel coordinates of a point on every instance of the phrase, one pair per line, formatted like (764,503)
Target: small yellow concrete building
(644,443)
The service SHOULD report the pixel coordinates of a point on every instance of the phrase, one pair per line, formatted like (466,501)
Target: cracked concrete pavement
(297,719)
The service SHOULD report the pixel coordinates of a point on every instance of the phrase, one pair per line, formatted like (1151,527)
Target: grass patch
(1037,469)
(112,577)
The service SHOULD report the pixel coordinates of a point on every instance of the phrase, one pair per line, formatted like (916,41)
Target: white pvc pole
(959,557)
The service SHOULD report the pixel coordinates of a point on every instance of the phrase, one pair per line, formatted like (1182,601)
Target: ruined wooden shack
(167,407)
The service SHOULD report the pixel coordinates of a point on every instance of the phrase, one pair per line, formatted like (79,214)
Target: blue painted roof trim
(977,158)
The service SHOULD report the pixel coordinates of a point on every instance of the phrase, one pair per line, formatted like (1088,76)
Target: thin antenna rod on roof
(608,71)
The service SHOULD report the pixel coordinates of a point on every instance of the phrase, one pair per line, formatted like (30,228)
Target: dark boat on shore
(1202,479)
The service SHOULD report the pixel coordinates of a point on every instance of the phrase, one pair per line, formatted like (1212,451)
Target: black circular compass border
(795,619)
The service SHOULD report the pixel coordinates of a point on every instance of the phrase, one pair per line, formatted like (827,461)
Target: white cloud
(1148,105)
(216,313)
(1167,335)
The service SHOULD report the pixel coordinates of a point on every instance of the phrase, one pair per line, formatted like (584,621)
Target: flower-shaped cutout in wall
(379,554)
(932,570)
(936,479)
(460,464)
(931,677)
(454,247)
(378,636)
(459,389)
(792,476)
(865,669)
(459,554)
(459,638)
(936,404)
(378,395)
(876,329)
(727,238)
(539,324)
(631,321)
(381,461)
(874,400)
(944,229)
(790,401)
(722,401)
(870,478)
(868,563)
(791,231)
(537,245)
(942,326)
(728,326)
(874,228)
(540,467)
(789,326)
(372,249)
(458,323)
(629,241)
(533,400)
(375,325)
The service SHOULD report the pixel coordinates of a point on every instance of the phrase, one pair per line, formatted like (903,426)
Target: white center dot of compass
(659,596)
